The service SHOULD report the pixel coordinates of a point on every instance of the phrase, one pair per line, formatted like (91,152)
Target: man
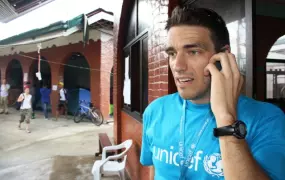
(4,97)
(26,108)
(62,100)
(207,130)
(45,98)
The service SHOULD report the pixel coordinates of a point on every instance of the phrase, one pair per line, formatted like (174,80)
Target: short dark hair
(188,15)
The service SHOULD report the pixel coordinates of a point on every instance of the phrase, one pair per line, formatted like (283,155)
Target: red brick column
(3,67)
(105,72)
(54,56)
(55,78)
(26,70)
(92,53)
(3,70)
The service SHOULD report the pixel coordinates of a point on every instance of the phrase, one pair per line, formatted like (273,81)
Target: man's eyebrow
(187,46)
(169,49)
(195,45)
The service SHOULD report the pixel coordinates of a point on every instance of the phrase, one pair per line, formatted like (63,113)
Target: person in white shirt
(62,100)
(26,108)
(4,97)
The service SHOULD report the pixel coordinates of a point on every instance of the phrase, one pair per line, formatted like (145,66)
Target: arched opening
(14,77)
(76,72)
(36,84)
(77,80)
(275,73)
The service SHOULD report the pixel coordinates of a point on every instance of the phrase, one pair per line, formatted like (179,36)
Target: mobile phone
(218,65)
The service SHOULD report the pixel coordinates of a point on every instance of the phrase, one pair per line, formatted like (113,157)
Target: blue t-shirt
(160,142)
(45,93)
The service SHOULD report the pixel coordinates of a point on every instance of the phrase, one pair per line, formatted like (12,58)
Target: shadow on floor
(74,168)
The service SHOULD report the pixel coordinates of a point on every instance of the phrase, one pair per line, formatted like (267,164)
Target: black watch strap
(224,131)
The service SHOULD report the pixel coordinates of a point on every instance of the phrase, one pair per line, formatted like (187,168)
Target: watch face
(242,129)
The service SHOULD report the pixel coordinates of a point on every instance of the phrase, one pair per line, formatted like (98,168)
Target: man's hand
(238,162)
(151,173)
(225,87)
(21,98)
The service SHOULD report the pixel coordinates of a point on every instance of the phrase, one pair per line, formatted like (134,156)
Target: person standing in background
(26,108)
(62,100)
(4,97)
(45,98)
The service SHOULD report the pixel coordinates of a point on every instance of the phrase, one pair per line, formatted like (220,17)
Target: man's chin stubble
(197,96)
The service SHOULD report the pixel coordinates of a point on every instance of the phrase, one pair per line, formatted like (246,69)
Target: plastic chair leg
(122,175)
(97,175)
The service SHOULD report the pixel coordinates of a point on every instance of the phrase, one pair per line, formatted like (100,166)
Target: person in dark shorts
(26,107)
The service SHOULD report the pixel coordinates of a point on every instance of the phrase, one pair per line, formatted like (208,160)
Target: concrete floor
(54,150)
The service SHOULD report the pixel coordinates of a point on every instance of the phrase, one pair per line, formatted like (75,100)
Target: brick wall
(158,62)
(106,66)
(58,56)
(160,79)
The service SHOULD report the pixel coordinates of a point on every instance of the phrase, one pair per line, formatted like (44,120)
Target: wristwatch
(238,129)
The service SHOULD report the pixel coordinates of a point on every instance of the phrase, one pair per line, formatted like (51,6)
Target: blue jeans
(45,109)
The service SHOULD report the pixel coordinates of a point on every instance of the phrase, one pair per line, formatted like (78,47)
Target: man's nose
(180,63)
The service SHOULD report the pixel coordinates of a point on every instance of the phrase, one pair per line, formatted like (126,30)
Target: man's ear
(226,48)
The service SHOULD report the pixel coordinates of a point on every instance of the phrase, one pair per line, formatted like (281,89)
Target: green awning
(55,27)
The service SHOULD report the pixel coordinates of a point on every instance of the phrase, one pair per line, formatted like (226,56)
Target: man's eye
(194,52)
(171,54)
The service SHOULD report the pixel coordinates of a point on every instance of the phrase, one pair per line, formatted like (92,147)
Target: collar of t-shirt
(197,107)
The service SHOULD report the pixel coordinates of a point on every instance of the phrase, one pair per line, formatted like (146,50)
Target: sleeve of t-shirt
(269,145)
(146,153)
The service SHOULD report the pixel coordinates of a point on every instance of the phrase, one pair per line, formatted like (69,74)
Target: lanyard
(185,162)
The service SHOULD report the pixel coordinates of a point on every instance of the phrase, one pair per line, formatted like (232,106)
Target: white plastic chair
(108,166)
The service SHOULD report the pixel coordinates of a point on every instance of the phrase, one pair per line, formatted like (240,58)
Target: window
(135,90)
(275,74)
(275,80)
(136,76)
